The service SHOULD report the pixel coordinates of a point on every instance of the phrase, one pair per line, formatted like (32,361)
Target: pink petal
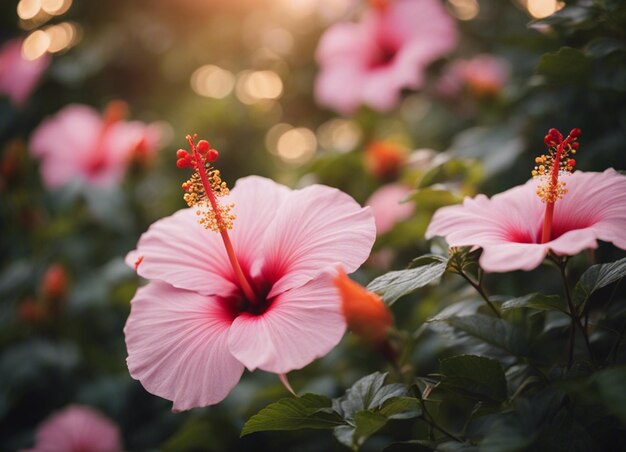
(179,251)
(512,256)
(78,428)
(316,229)
(345,41)
(387,207)
(340,87)
(257,201)
(71,133)
(19,76)
(596,201)
(301,324)
(177,346)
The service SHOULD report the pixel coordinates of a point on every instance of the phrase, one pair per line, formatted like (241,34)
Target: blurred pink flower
(80,144)
(387,207)
(508,227)
(77,429)
(483,75)
(370,62)
(192,329)
(19,76)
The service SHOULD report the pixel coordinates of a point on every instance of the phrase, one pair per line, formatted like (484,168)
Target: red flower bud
(203,146)
(212,155)
(30,312)
(575,133)
(181,154)
(183,163)
(54,283)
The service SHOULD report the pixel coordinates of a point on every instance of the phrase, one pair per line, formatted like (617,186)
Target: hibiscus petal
(301,325)
(179,251)
(316,228)
(596,201)
(177,346)
(75,428)
(512,256)
(257,200)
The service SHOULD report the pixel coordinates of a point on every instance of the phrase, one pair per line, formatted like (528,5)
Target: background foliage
(502,383)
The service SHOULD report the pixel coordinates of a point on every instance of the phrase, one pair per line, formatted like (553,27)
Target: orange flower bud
(385,159)
(366,314)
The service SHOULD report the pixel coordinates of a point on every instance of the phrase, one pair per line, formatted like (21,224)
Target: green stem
(480,290)
(431,421)
(575,317)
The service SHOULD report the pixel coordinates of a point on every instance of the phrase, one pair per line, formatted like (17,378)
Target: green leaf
(491,330)
(396,284)
(452,170)
(368,405)
(609,387)
(536,301)
(401,408)
(596,277)
(366,424)
(308,411)
(476,376)
(568,65)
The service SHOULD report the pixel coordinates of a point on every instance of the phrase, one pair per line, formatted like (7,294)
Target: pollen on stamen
(555,164)
(205,186)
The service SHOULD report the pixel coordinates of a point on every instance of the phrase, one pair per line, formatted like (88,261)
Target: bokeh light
(62,36)
(297,145)
(543,8)
(212,81)
(35,45)
(254,86)
(339,134)
(56,7)
(27,9)
(464,9)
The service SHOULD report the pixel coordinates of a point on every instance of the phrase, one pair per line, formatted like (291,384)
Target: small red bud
(55,283)
(555,133)
(203,146)
(183,163)
(181,153)
(212,155)
(575,133)
(548,140)
(30,312)
(571,162)
(574,145)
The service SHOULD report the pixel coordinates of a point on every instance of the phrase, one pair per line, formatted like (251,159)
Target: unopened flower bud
(366,314)
(55,282)
(203,146)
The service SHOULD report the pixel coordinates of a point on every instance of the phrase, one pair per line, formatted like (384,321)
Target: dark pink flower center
(384,55)
(559,227)
(238,303)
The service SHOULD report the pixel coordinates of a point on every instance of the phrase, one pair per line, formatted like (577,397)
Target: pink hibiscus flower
(517,228)
(80,144)
(77,429)
(19,76)
(370,62)
(387,206)
(257,292)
